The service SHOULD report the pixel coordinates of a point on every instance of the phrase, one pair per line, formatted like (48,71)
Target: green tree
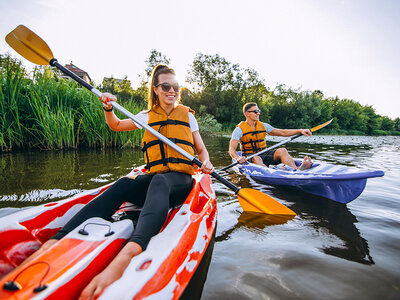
(306,107)
(209,71)
(374,121)
(278,107)
(327,107)
(292,108)
(122,88)
(109,85)
(350,115)
(387,124)
(155,58)
(258,94)
(397,124)
(207,122)
(139,96)
(220,86)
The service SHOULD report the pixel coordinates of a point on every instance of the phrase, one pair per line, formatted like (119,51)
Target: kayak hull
(338,183)
(164,269)
(86,256)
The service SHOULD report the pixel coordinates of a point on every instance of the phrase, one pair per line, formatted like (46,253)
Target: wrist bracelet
(112,107)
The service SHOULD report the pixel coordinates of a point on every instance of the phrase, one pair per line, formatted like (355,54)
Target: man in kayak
(251,136)
(167,182)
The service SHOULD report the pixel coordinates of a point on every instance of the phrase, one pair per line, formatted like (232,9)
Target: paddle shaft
(33,48)
(265,150)
(127,113)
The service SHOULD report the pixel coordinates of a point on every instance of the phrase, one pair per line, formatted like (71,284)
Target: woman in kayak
(168,179)
(251,135)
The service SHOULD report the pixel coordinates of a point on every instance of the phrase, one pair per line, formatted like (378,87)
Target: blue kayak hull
(338,183)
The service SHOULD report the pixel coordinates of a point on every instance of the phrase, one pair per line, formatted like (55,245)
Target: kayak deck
(67,267)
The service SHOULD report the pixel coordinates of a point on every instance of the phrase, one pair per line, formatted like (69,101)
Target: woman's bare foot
(306,164)
(112,273)
(96,287)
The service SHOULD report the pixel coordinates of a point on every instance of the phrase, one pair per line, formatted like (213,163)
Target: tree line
(41,110)
(217,90)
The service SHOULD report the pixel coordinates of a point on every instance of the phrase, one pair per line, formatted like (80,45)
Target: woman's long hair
(152,99)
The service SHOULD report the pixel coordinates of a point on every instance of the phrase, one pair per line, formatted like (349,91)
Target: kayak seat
(16,246)
(132,211)
(127,210)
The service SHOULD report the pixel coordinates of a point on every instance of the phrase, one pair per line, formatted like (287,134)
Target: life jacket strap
(255,132)
(169,122)
(173,160)
(159,142)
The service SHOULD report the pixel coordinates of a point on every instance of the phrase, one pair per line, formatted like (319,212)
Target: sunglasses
(166,87)
(255,111)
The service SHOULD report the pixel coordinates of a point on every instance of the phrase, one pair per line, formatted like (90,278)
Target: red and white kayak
(61,272)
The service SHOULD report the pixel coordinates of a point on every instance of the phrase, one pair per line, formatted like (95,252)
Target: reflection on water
(322,214)
(195,287)
(329,248)
(334,218)
(253,222)
(44,176)
(349,251)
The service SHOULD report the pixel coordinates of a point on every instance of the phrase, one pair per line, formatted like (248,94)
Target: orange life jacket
(161,158)
(252,140)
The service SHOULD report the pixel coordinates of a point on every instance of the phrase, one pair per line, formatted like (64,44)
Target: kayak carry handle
(85,232)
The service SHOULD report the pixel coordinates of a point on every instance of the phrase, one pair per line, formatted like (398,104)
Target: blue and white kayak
(338,183)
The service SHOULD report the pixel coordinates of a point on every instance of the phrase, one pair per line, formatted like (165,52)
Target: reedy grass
(47,112)
(95,132)
(12,83)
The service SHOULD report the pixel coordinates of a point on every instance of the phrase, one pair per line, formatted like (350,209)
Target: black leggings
(155,193)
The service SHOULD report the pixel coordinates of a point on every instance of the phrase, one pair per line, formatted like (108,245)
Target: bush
(228,127)
(379,132)
(354,132)
(207,123)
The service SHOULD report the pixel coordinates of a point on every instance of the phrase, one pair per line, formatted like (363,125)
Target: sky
(349,49)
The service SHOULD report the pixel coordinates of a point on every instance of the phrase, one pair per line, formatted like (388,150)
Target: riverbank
(331,132)
(46,112)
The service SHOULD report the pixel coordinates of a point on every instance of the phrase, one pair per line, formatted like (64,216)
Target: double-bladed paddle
(34,49)
(248,158)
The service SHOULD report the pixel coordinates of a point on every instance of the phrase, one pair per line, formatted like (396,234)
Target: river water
(328,250)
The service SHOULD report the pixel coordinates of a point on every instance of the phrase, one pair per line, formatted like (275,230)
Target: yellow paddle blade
(256,201)
(29,45)
(320,126)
